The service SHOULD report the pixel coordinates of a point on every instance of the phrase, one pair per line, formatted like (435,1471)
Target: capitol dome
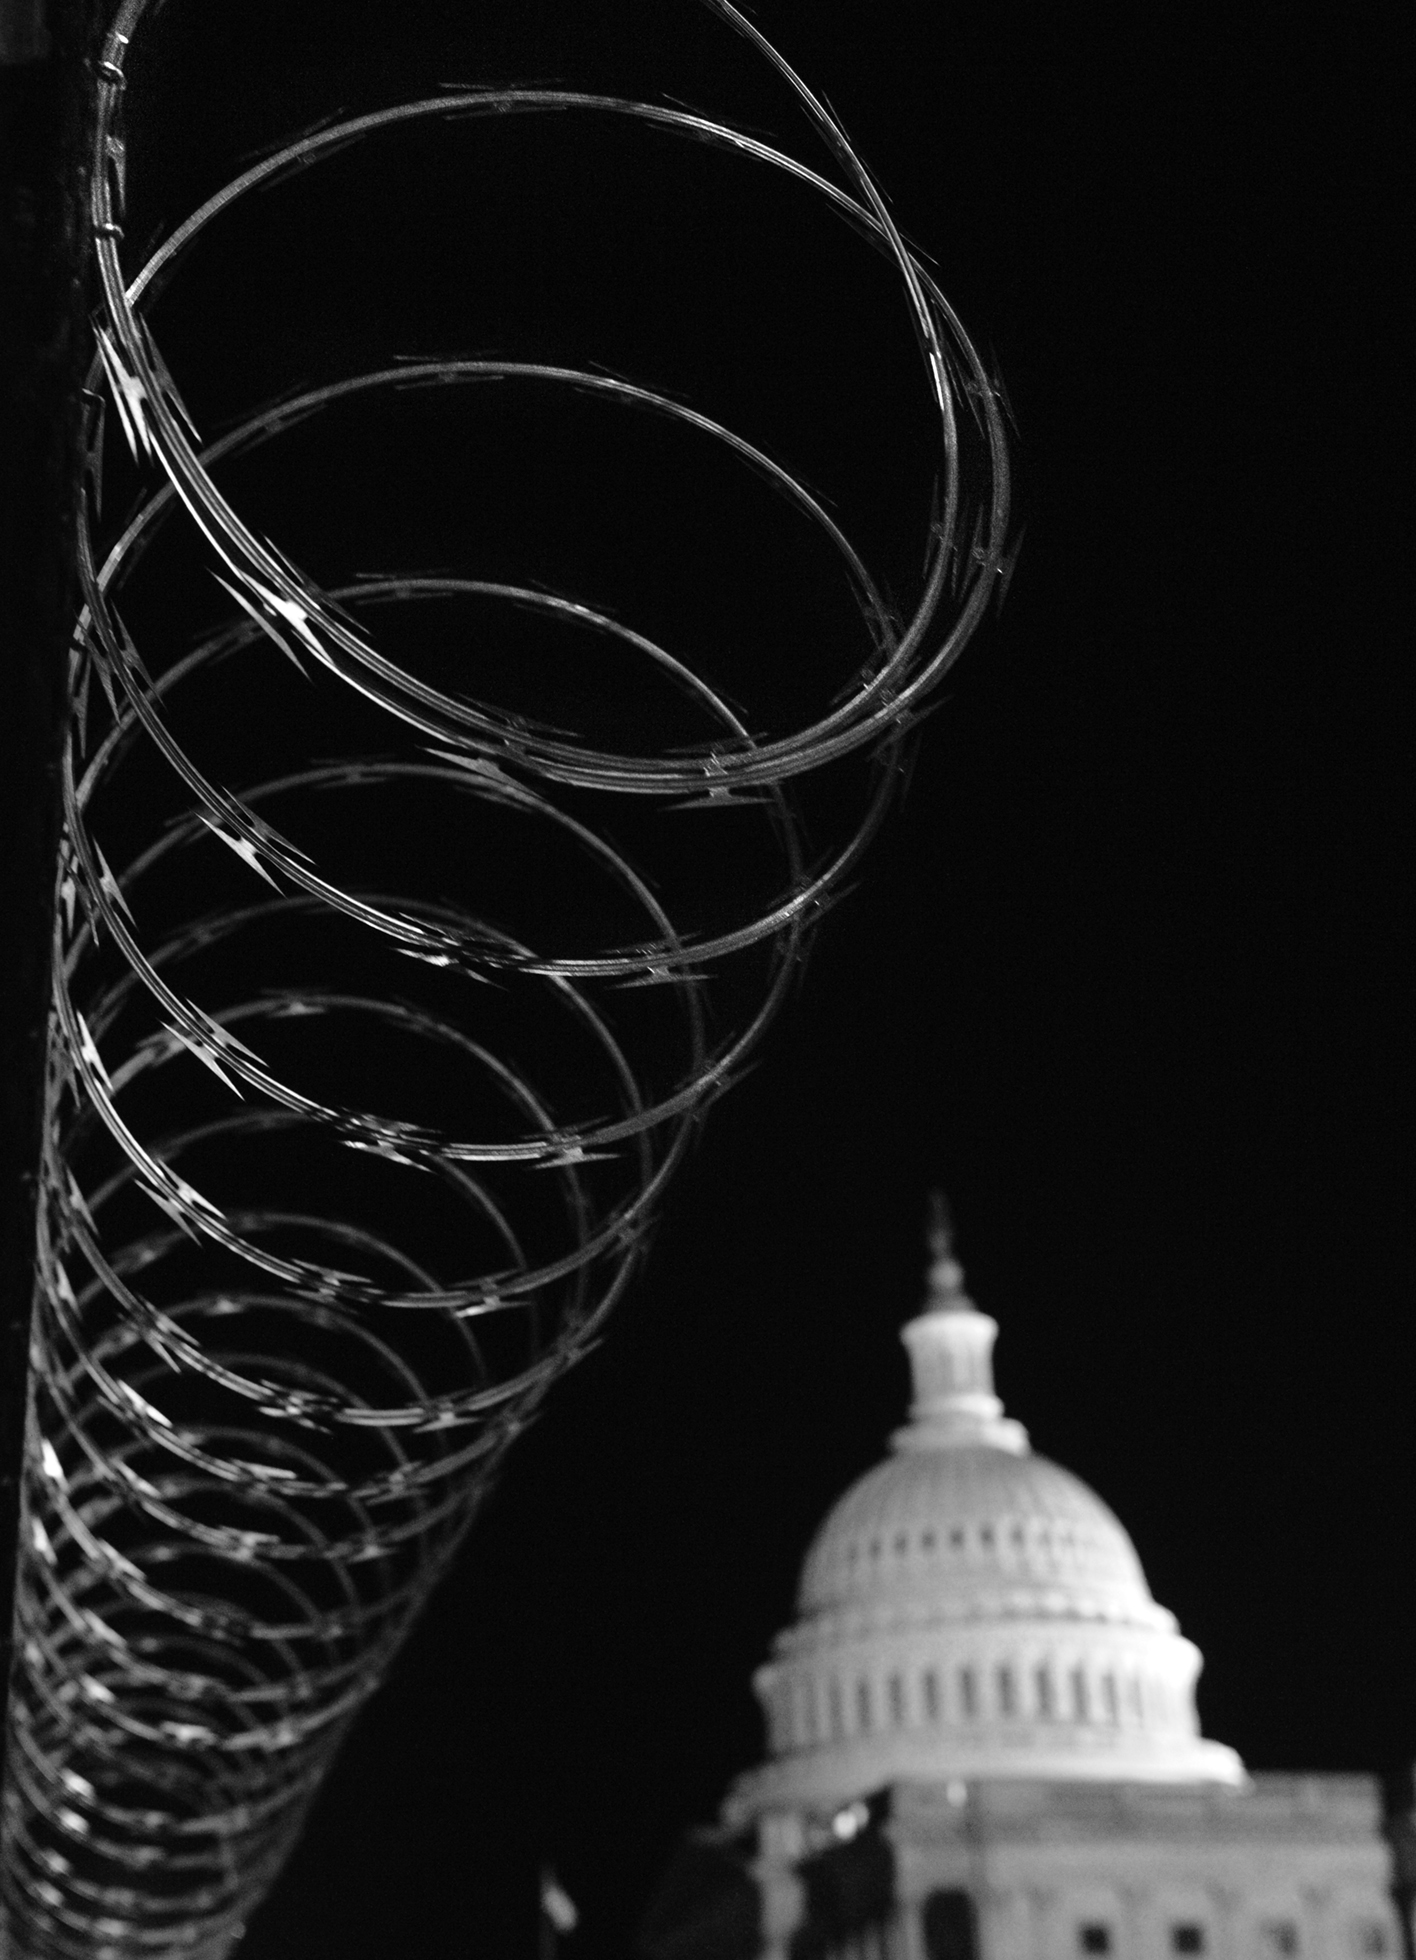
(969,1610)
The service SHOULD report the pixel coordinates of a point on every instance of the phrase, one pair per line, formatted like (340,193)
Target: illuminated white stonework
(971,1611)
(982,1737)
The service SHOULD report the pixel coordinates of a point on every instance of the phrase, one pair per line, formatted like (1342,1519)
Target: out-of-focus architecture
(982,1737)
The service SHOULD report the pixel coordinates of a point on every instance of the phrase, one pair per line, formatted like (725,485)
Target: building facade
(983,1742)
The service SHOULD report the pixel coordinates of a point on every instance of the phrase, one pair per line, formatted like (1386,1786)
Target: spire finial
(939,1230)
(946,1275)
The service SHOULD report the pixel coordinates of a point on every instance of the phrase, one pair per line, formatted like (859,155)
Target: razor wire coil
(284,1331)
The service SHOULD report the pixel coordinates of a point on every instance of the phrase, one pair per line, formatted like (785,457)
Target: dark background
(1120,976)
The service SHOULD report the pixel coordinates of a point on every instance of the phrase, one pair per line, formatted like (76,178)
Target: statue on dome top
(939,1229)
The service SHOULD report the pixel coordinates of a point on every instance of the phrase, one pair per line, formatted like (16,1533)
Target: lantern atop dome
(951,1358)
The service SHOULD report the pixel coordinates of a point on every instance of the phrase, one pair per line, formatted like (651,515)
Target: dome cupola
(951,1359)
(971,1610)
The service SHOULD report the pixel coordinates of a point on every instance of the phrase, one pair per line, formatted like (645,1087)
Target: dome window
(926,1539)
(902,1541)
(985,1537)
(896,1692)
(1079,1693)
(1278,1938)
(1372,1940)
(931,1695)
(1094,1938)
(863,1705)
(968,1691)
(834,1706)
(956,1537)
(1007,1691)
(1187,1937)
(1109,1699)
(1043,1681)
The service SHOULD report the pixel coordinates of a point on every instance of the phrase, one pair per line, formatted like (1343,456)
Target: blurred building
(982,1737)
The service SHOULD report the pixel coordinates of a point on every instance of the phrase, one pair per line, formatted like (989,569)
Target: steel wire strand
(283,1338)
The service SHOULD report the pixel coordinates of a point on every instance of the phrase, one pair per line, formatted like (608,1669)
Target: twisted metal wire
(343,1168)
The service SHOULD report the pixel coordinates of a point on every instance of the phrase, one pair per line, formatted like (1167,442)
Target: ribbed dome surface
(968,1525)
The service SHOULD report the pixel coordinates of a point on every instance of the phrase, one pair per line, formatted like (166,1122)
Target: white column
(783,1894)
(909,1932)
(783,1899)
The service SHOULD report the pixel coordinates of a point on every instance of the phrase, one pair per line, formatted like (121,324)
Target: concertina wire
(293,1061)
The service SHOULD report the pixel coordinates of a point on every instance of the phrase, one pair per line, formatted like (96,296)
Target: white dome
(971,1610)
(973,1532)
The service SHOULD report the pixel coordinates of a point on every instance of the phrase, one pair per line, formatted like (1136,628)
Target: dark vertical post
(46,54)
(1399,1829)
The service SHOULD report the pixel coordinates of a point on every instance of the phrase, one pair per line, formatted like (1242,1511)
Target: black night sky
(1119,974)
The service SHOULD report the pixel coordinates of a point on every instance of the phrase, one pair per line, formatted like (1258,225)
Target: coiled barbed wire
(369,1065)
